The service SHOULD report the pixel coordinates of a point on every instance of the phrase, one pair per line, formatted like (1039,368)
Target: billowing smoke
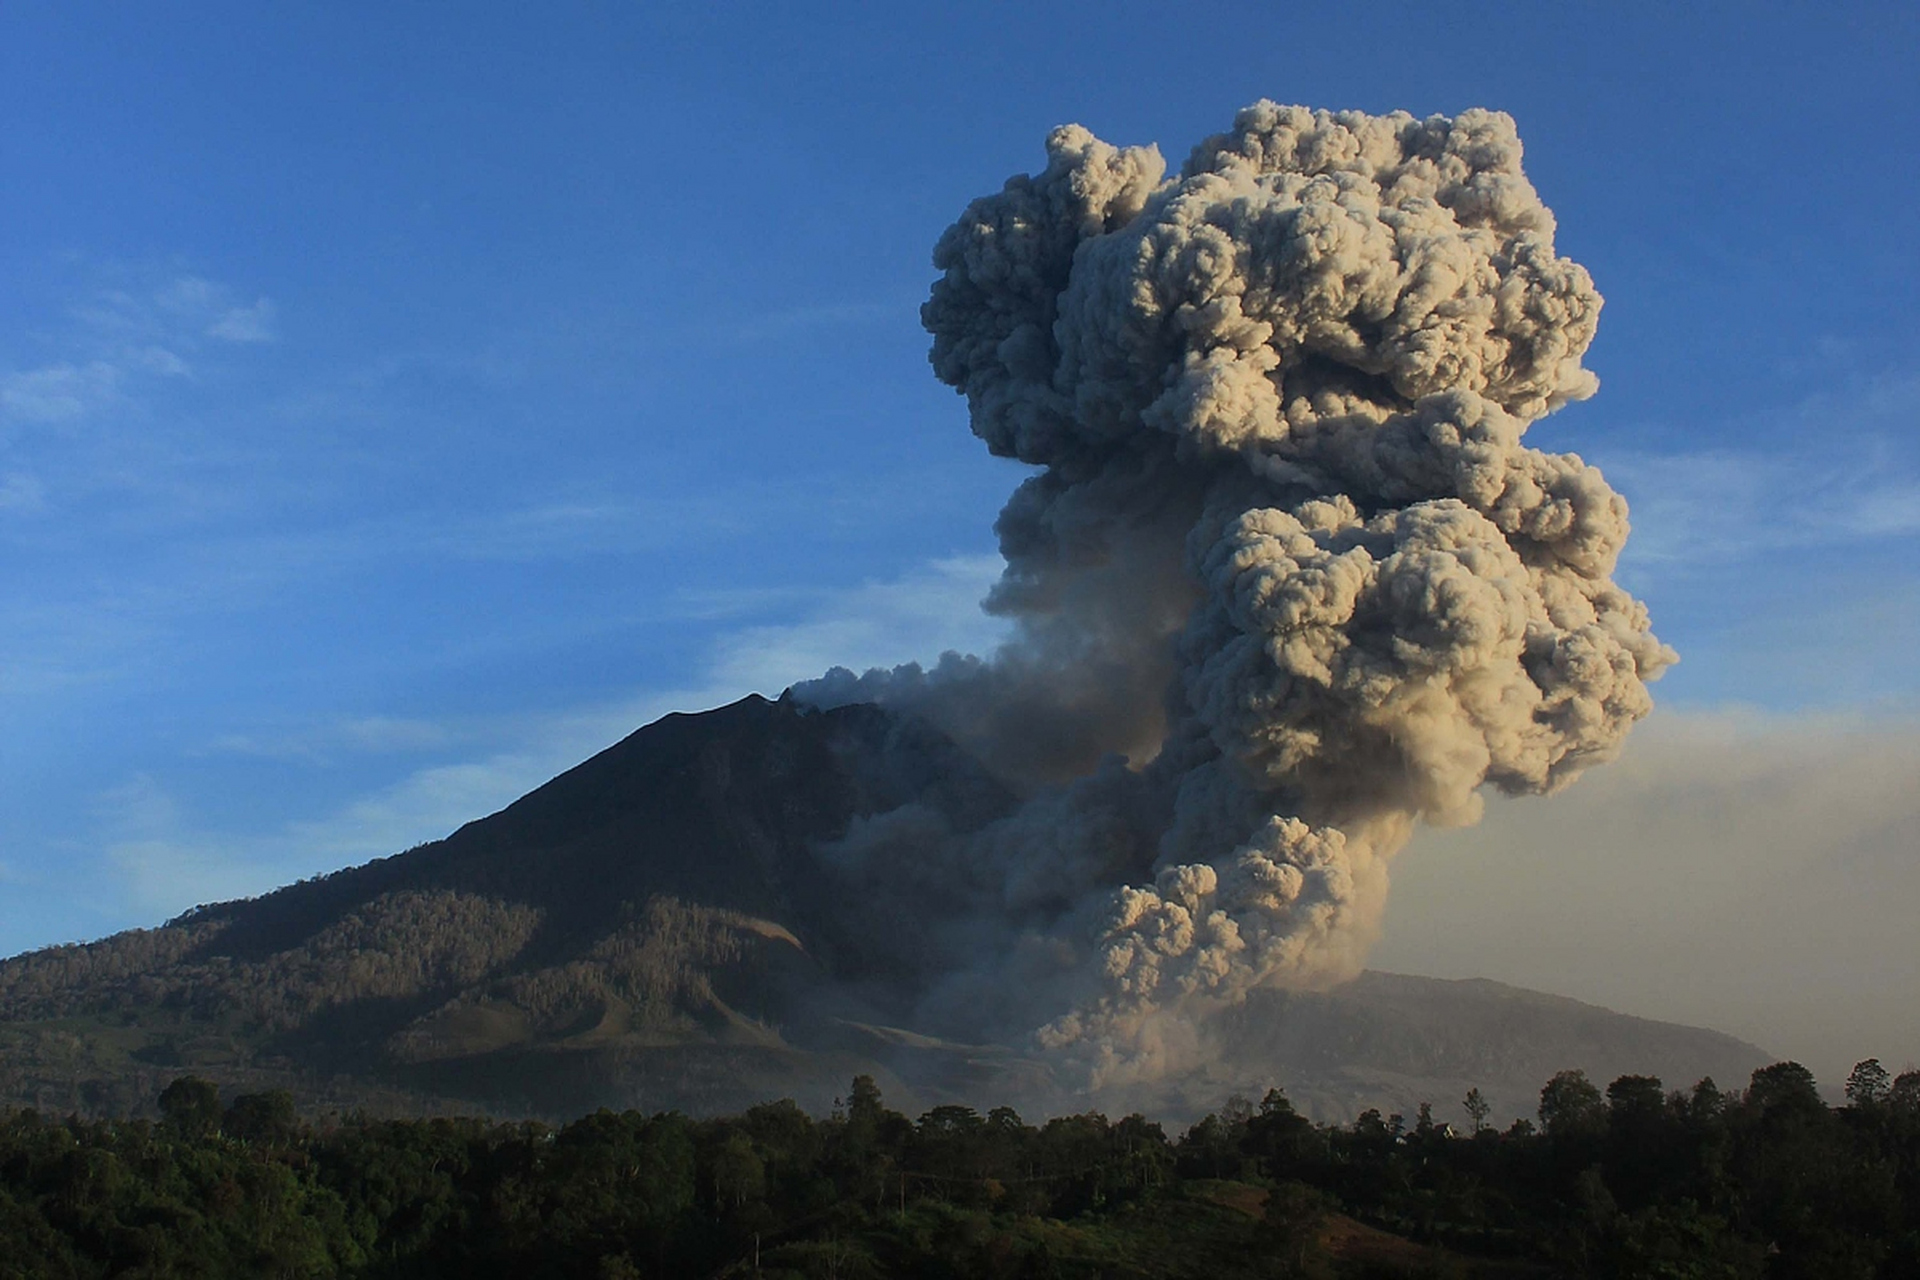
(1287,579)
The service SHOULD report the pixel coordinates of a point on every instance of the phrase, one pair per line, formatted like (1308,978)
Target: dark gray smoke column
(1288,551)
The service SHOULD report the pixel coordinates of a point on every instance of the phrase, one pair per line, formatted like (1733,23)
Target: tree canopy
(1634,1180)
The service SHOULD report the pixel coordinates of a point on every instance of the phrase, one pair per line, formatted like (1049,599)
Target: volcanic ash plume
(1286,552)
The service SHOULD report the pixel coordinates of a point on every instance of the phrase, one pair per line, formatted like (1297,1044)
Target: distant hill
(651,929)
(1397,1040)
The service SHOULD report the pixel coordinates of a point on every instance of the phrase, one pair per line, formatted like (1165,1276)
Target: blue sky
(400,402)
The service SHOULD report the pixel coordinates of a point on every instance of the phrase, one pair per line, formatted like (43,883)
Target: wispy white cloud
(59,392)
(788,321)
(203,305)
(50,645)
(335,739)
(166,862)
(140,823)
(1839,467)
(875,624)
(1696,509)
(1833,641)
(252,323)
(559,527)
(158,360)
(1890,510)
(73,632)
(732,604)
(22,493)
(122,334)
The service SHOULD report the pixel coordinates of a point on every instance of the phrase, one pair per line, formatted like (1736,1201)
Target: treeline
(1632,1181)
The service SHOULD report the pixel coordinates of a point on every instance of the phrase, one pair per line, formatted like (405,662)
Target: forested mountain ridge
(652,928)
(651,899)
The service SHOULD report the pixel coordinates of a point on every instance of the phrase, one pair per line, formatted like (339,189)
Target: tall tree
(1477,1110)
(1570,1106)
(191,1106)
(1869,1083)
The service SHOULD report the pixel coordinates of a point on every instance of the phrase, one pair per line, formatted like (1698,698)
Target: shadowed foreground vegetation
(1769,1182)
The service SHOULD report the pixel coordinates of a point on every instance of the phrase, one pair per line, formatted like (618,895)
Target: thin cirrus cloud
(787,322)
(22,492)
(181,307)
(352,736)
(119,336)
(1838,467)
(252,323)
(59,392)
(104,624)
(876,624)
(164,864)
(1890,510)
(1780,561)
(1695,508)
(1838,641)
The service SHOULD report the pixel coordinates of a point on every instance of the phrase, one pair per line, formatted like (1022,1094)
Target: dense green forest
(1630,1182)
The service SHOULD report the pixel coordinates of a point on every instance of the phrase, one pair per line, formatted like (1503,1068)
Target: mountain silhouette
(654,928)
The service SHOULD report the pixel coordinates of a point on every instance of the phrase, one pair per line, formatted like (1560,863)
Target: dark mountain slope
(660,900)
(721,808)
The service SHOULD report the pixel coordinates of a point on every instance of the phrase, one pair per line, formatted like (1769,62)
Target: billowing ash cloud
(1287,580)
